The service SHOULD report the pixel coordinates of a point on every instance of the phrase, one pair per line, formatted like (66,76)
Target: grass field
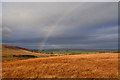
(69,66)
(67,52)
(98,65)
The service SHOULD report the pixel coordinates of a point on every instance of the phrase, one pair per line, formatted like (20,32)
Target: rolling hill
(12,53)
(68,66)
(35,65)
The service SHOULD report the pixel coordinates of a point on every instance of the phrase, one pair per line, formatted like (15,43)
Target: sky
(58,25)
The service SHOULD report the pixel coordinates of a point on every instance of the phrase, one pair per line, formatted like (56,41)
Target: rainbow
(59,19)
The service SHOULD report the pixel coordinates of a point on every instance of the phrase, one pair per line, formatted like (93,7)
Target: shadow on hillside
(26,56)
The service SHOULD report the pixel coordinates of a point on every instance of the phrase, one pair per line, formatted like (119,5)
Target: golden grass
(69,66)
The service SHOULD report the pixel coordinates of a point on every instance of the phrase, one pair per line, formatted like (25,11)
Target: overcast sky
(72,25)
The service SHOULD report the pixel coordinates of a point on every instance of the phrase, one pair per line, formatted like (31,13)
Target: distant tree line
(35,50)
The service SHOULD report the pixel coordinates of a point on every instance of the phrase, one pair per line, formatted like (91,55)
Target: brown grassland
(68,66)
(101,65)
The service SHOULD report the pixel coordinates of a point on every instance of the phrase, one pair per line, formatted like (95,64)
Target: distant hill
(12,53)
(85,50)
(13,47)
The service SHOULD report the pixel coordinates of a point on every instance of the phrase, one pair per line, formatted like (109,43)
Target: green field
(66,52)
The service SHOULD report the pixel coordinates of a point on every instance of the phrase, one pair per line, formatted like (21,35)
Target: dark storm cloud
(86,25)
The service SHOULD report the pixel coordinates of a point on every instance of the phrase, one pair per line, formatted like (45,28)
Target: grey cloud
(80,24)
(6,31)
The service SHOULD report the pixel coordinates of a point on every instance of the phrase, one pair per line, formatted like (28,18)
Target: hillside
(12,53)
(69,66)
